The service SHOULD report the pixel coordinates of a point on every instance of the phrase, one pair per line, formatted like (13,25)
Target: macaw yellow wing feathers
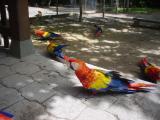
(101,81)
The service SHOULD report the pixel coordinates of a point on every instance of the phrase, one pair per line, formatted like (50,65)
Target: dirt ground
(120,47)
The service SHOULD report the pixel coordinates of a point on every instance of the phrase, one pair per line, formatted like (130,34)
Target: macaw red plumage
(98,30)
(99,81)
(45,35)
(149,70)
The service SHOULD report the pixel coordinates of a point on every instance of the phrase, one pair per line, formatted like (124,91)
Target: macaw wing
(53,35)
(118,83)
(113,74)
(59,47)
(99,80)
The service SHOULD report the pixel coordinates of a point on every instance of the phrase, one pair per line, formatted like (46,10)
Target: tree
(103,7)
(57,7)
(117,5)
(80,10)
(128,1)
(49,3)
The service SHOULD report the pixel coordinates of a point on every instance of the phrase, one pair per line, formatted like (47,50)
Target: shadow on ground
(120,47)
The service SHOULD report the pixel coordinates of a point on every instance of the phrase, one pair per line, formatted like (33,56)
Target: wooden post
(21,44)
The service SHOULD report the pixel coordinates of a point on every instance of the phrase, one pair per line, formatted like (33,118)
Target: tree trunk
(49,3)
(127,5)
(80,10)
(117,5)
(112,3)
(124,5)
(103,7)
(57,6)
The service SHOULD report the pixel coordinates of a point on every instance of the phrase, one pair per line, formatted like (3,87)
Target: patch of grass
(136,10)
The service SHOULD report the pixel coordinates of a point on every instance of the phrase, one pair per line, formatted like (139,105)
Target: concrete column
(21,44)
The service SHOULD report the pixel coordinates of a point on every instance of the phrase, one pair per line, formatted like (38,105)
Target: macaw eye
(71,66)
(74,65)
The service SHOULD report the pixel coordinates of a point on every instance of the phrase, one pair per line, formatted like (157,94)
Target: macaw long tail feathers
(139,86)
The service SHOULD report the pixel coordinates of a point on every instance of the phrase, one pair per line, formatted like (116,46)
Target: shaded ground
(120,47)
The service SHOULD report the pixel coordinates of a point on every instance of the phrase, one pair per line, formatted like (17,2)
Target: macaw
(98,30)
(5,116)
(55,49)
(149,70)
(44,35)
(99,81)
(39,14)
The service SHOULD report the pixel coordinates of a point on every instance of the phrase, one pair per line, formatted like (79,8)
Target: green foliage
(136,10)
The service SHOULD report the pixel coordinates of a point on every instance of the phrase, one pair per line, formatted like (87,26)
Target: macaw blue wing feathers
(54,35)
(58,51)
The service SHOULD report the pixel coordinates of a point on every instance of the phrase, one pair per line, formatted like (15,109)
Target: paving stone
(45,76)
(25,68)
(56,66)
(9,61)
(38,92)
(102,102)
(64,106)
(2,55)
(95,114)
(35,59)
(8,97)
(61,84)
(5,71)
(25,110)
(17,81)
(47,64)
(48,117)
(126,109)
(149,104)
(66,86)
(51,78)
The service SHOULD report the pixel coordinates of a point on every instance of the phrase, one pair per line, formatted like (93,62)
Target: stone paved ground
(38,88)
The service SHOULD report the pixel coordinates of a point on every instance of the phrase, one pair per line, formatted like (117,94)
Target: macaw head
(143,64)
(76,64)
(51,47)
(39,32)
(55,49)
